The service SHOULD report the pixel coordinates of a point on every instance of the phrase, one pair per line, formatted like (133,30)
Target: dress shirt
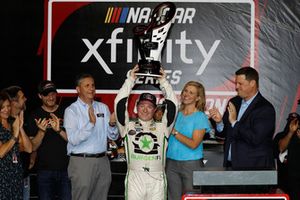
(243,108)
(84,136)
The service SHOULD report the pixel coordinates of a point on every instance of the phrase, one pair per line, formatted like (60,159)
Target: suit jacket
(251,136)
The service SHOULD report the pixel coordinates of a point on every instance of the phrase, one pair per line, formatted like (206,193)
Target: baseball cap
(45,87)
(147,97)
(161,106)
(293,115)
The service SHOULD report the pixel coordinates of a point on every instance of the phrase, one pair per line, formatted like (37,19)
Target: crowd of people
(163,143)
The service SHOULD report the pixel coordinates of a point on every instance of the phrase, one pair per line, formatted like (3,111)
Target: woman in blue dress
(185,148)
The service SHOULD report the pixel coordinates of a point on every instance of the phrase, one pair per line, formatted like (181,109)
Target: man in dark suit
(248,125)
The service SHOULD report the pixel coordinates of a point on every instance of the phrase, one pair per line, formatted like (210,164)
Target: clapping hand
(232,113)
(293,127)
(215,115)
(16,127)
(112,119)
(163,74)
(21,116)
(133,71)
(41,124)
(54,122)
(92,115)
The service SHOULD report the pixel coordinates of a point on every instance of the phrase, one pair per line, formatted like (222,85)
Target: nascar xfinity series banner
(208,42)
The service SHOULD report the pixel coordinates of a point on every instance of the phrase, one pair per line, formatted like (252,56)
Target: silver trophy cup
(150,39)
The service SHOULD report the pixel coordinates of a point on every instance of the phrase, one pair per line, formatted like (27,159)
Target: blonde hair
(200,104)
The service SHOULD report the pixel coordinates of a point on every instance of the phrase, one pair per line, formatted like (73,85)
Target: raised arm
(284,142)
(38,138)
(6,147)
(25,143)
(121,100)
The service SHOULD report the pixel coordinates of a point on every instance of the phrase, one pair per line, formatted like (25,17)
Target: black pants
(294,187)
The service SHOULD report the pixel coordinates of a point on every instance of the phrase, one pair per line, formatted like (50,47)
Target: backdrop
(208,42)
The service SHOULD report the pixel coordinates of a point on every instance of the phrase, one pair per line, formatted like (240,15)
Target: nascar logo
(142,15)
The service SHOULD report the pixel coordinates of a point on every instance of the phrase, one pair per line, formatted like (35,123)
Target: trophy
(150,39)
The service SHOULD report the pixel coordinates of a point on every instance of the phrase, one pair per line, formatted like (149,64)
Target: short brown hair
(250,74)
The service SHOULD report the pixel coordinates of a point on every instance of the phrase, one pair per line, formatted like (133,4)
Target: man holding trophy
(146,139)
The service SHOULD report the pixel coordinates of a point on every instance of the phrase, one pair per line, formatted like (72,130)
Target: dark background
(21,31)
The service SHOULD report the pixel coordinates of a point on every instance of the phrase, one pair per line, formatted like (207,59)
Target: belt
(88,155)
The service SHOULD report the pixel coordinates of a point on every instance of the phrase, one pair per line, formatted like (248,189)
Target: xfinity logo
(183,44)
(208,41)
